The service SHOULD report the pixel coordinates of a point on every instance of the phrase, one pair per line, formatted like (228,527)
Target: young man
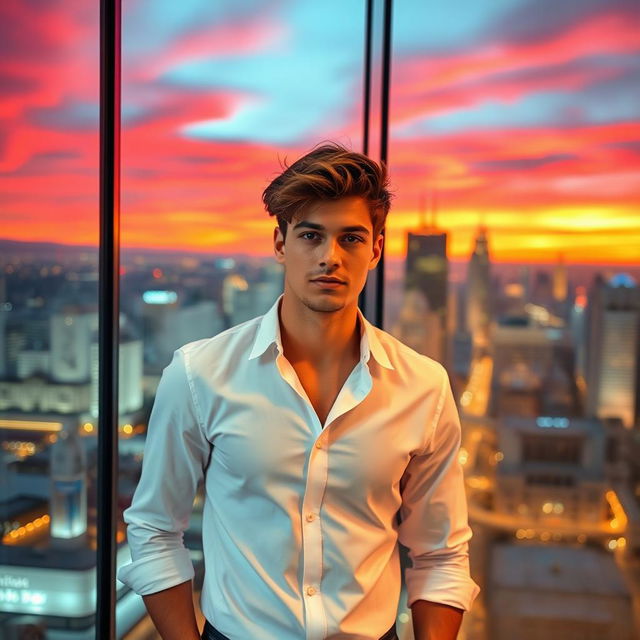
(312,429)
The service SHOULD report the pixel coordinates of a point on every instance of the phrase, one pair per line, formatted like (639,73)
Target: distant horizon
(634,266)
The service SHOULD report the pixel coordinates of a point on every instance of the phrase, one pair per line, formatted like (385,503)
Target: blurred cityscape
(544,363)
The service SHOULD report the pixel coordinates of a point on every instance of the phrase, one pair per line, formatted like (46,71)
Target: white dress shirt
(299,528)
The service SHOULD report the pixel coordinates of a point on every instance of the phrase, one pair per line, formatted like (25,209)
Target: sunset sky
(522,115)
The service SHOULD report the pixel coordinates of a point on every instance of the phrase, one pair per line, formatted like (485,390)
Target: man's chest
(268,436)
(322,387)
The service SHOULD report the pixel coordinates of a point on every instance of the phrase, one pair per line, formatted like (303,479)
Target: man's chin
(324,304)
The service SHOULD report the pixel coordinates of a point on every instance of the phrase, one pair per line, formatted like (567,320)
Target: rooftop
(556,568)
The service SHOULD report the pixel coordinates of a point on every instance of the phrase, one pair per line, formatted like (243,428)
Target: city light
(481,483)
(30,425)
(19,448)
(619,519)
(553,507)
(14,536)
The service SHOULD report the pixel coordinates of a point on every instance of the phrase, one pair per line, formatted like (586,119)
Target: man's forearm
(172,612)
(435,621)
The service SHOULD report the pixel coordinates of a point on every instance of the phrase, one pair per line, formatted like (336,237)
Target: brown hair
(329,172)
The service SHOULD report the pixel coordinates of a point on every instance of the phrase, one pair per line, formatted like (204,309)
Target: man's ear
(378,243)
(278,245)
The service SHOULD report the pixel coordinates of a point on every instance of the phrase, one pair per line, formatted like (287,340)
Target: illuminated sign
(552,423)
(160,297)
(14,590)
(52,591)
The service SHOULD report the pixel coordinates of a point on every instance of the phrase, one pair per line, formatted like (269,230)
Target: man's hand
(435,621)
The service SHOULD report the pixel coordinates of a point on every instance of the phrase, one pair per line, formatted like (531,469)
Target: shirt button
(311,591)
(318,445)
(311,517)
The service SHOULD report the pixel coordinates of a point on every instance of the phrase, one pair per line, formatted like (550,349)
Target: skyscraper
(560,280)
(613,349)
(427,268)
(479,290)
(427,272)
(68,490)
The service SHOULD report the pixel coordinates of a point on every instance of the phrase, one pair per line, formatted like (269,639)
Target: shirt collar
(269,333)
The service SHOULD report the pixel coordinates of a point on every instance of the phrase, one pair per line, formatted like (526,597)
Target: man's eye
(312,235)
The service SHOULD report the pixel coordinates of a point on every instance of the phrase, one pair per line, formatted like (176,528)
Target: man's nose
(330,253)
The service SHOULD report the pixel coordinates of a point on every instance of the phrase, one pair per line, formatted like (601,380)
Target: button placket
(312,539)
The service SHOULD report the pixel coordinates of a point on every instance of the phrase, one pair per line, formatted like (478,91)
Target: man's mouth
(328,283)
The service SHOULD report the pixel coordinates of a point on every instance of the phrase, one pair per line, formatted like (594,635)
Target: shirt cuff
(444,585)
(156,572)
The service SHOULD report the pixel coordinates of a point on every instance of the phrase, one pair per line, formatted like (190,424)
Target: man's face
(330,239)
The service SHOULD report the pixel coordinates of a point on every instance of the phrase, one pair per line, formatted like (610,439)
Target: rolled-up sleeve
(434,523)
(176,452)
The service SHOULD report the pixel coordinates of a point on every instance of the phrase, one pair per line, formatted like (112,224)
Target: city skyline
(550,482)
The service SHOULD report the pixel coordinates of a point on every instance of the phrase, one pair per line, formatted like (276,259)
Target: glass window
(512,252)
(49,93)
(215,95)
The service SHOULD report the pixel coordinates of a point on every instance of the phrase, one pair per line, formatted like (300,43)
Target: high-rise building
(578,326)
(68,490)
(479,290)
(542,293)
(613,349)
(533,369)
(551,474)
(4,317)
(130,376)
(70,341)
(427,271)
(418,328)
(560,280)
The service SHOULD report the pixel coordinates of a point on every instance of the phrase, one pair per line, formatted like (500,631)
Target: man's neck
(318,338)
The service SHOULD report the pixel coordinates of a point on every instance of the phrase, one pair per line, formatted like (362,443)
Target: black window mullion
(109,312)
(384,141)
(377,55)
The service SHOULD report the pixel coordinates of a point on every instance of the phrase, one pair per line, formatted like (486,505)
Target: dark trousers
(211,633)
